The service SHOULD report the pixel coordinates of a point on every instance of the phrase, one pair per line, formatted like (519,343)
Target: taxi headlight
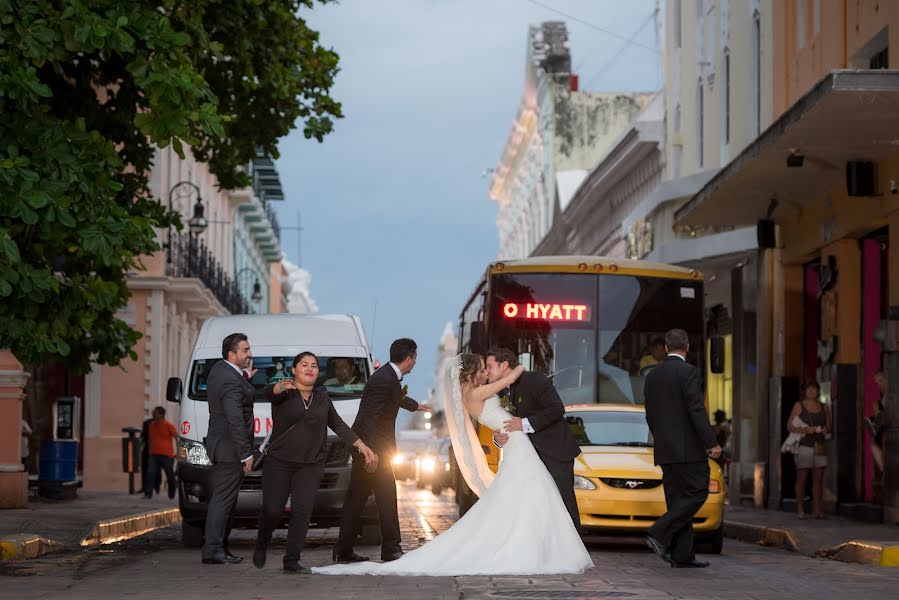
(582,483)
(193,453)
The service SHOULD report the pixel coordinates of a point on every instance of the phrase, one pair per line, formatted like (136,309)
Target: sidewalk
(92,518)
(834,537)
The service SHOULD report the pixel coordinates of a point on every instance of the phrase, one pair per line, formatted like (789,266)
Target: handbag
(265,448)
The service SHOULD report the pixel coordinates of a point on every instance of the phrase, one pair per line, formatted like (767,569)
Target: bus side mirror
(478,338)
(716,354)
(173,390)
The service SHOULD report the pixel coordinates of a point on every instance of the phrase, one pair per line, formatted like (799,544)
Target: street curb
(22,546)
(759,534)
(125,528)
(883,554)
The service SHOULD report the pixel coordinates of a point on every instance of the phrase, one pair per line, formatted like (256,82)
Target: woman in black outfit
(296,457)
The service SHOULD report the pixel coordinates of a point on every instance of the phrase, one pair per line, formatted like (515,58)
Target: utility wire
(593,26)
(621,50)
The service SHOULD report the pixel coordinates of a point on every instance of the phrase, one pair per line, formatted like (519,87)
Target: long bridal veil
(470,457)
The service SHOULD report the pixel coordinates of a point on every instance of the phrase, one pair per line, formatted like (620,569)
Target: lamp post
(256,296)
(183,191)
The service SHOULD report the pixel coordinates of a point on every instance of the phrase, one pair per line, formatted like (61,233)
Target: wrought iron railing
(273,219)
(189,257)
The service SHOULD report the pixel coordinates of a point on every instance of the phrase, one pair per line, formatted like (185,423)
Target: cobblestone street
(156,565)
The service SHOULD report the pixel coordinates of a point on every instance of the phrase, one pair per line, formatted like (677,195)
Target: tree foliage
(88,90)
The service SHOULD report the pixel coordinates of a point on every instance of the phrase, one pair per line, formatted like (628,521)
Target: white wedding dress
(519,526)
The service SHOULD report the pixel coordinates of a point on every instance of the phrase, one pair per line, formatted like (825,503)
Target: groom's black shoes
(690,564)
(296,569)
(222,560)
(660,549)
(390,557)
(349,558)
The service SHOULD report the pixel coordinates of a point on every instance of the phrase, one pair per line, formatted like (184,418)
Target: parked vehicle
(410,445)
(433,469)
(274,341)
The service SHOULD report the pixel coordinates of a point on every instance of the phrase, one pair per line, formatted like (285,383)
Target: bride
(520,525)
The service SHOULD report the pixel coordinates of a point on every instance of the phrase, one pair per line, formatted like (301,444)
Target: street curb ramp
(24,546)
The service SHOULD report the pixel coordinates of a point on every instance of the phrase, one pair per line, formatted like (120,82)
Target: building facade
(819,185)
(559,134)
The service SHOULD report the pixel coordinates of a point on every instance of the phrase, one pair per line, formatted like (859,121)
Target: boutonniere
(405,390)
(506,402)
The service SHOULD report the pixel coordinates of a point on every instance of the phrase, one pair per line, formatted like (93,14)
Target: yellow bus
(593,325)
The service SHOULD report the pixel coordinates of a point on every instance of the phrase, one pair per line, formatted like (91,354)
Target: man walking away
(161,434)
(683,441)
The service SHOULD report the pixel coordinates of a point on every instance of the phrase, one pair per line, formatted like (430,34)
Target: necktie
(246,375)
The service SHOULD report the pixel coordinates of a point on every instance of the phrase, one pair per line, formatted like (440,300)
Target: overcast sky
(394,203)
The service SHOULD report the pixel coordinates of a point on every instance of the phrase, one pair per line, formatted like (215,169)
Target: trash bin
(59,460)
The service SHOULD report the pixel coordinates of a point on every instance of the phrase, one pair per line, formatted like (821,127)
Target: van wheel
(711,543)
(371,534)
(192,534)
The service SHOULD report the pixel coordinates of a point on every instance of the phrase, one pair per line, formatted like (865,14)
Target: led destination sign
(547,312)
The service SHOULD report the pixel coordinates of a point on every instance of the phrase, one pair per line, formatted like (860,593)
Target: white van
(274,340)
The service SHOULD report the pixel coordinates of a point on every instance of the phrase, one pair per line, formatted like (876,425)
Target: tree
(88,89)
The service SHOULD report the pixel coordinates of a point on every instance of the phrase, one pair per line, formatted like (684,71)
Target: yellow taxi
(618,488)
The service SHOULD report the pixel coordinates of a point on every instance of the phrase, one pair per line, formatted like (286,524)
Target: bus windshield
(340,376)
(595,336)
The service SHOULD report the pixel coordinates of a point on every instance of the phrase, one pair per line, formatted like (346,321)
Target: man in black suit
(539,412)
(683,441)
(375,424)
(229,442)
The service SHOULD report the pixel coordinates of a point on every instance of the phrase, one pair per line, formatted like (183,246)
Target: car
(410,445)
(433,468)
(618,488)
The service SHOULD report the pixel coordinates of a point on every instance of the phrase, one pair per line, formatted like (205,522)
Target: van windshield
(341,376)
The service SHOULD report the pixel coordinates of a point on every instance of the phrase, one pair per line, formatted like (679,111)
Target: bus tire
(192,534)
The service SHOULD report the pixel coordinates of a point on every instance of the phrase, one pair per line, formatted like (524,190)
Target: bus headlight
(582,483)
(193,453)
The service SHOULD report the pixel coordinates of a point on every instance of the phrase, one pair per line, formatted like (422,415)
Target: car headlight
(582,483)
(193,453)
(398,459)
(714,486)
(428,464)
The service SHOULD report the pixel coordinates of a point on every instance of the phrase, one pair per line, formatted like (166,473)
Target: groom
(538,411)
(375,423)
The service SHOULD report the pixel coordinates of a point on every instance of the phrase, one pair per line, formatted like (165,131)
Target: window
(678,160)
(816,16)
(677,23)
(880,60)
(677,118)
(700,125)
(756,44)
(726,97)
(341,377)
(608,428)
(800,24)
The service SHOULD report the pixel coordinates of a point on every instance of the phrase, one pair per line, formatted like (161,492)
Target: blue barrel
(59,460)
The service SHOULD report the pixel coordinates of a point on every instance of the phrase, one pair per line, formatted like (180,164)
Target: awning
(847,116)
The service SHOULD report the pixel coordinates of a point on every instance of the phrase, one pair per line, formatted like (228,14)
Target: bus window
(549,321)
(635,312)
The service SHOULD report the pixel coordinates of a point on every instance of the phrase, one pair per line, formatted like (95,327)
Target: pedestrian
(683,443)
(811,455)
(875,422)
(26,437)
(161,435)
(295,457)
(147,486)
(229,442)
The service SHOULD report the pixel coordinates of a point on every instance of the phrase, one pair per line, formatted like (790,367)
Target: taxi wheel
(711,543)
(192,534)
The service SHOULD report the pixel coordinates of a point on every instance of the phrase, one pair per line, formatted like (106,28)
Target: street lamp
(197,224)
(256,296)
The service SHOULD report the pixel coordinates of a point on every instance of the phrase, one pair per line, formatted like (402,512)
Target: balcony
(189,257)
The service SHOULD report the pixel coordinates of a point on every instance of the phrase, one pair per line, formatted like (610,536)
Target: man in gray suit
(229,442)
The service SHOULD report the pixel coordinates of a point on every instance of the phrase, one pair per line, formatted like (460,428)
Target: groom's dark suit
(534,398)
(375,424)
(677,418)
